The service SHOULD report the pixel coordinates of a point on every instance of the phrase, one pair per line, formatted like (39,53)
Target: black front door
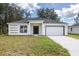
(35,29)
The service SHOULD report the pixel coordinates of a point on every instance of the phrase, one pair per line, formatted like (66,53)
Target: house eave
(17,23)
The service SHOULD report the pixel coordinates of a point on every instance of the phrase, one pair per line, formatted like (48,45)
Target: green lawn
(74,36)
(30,46)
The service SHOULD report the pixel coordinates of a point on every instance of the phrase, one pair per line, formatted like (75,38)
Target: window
(71,29)
(23,29)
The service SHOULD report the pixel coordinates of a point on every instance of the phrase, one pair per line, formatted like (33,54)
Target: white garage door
(58,31)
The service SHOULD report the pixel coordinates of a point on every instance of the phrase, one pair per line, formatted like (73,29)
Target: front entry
(35,29)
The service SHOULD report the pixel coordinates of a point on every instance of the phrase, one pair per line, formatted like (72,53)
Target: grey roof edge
(36,19)
(60,22)
(20,21)
(44,21)
(76,24)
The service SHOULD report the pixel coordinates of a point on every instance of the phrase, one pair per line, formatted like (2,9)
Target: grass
(74,36)
(30,46)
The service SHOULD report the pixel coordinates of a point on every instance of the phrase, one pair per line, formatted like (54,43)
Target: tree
(8,13)
(40,13)
(48,14)
(2,16)
(26,14)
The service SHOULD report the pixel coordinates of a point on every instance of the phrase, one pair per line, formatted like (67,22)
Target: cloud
(58,12)
(69,13)
(30,7)
(74,9)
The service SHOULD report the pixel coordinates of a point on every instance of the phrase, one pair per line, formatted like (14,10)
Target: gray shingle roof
(35,18)
(52,21)
(45,21)
(20,21)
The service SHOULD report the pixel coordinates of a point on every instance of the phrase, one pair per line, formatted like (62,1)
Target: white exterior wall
(69,29)
(14,29)
(75,29)
(43,29)
(66,30)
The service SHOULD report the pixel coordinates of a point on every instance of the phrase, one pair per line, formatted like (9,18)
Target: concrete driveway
(69,43)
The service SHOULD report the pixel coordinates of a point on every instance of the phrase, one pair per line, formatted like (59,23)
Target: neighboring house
(74,29)
(37,26)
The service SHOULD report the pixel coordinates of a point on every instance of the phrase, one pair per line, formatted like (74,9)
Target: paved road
(69,43)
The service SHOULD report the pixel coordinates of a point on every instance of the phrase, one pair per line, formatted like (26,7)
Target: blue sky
(66,11)
(55,5)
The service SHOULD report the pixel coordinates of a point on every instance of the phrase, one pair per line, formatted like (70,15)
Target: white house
(74,29)
(37,26)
